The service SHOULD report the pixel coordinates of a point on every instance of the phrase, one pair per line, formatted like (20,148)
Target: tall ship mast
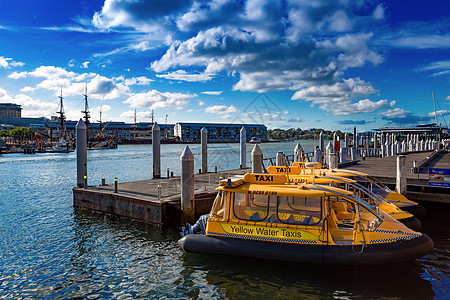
(86,112)
(62,117)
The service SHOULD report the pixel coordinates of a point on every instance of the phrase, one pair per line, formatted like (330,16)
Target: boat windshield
(278,209)
(218,209)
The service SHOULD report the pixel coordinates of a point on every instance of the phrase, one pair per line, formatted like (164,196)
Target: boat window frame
(251,199)
(298,224)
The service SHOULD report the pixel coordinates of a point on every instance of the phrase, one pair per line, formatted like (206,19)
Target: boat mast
(86,112)
(62,118)
(165,128)
(435,116)
(135,125)
(100,124)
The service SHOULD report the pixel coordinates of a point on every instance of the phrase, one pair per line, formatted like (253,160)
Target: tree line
(19,134)
(299,134)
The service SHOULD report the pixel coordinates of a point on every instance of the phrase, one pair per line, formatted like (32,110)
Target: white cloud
(85,64)
(422,42)
(7,63)
(31,107)
(212,93)
(201,103)
(221,109)
(184,76)
(142,80)
(378,13)
(155,100)
(395,113)
(442,112)
(447,98)
(141,116)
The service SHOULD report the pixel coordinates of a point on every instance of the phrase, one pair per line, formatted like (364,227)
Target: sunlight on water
(48,249)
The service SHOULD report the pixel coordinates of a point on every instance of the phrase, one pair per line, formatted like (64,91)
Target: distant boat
(255,140)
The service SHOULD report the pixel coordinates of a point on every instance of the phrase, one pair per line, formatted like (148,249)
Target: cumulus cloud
(222,110)
(447,98)
(400,117)
(7,63)
(72,83)
(212,93)
(184,76)
(31,107)
(155,100)
(442,112)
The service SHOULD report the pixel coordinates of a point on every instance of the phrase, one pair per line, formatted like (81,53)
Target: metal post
(204,144)
(355,139)
(257,159)
(401,175)
(115,185)
(243,136)
(298,152)
(375,141)
(187,178)
(85,182)
(215,168)
(156,138)
(81,152)
(168,173)
(159,192)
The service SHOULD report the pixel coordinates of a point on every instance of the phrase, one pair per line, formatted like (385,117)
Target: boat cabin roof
(301,190)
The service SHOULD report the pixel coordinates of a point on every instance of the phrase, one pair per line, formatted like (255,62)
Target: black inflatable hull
(412,222)
(418,210)
(401,251)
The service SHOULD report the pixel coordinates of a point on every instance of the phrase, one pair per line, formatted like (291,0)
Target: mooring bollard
(318,155)
(257,159)
(85,182)
(215,168)
(171,174)
(159,192)
(204,146)
(187,180)
(343,155)
(115,185)
(298,153)
(280,159)
(333,161)
(81,152)
(168,173)
(103,181)
(400,186)
(321,142)
(156,145)
(243,140)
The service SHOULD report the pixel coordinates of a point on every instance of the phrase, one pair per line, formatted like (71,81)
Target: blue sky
(304,64)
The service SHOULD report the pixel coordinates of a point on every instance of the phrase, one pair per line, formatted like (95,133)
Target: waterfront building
(219,132)
(10,110)
(423,131)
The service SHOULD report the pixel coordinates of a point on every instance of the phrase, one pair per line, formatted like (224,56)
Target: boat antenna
(100,123)
(135,125)
(86,111)
(62,118)
(165,128)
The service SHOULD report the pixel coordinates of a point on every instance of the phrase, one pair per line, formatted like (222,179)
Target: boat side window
(368,219)
(250,207)
(300,210)
(218,207)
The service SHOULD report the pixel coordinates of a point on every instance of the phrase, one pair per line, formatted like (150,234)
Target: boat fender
(199,226)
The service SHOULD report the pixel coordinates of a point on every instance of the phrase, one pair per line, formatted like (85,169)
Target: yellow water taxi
(370,182)
(361,191)
(264,216)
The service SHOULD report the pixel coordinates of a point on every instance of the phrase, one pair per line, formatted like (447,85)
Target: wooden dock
(385,170)
(141,200)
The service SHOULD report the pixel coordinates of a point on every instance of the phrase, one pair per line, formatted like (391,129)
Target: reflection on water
(50,250)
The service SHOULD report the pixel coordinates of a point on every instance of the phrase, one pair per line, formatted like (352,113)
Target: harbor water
(50,250)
